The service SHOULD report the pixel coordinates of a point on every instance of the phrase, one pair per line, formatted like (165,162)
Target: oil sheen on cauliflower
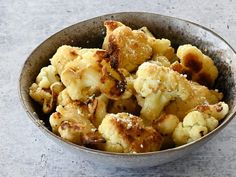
(194,126)
(126,133)
(158,85)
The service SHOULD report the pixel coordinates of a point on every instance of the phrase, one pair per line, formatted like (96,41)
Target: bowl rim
(34,117)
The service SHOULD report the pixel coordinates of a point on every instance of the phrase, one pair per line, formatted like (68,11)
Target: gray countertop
(26,152)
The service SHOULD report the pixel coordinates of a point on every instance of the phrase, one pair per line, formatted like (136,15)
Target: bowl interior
(91,33)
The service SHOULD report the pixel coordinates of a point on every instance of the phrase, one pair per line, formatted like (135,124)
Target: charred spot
(103,79)
(114,62)
(93,138)
(112,25)
(205,79)
(73,53)
(192,62)
(118,88)
(219,107)
(56,115)
(113,52)
(130,137)
(65,125)
(201,133)
(177,67)
(202,108)
(100,55)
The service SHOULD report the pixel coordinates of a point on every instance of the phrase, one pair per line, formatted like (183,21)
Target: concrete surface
(26,152)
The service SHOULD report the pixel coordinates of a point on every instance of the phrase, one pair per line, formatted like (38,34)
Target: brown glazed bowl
(90,33)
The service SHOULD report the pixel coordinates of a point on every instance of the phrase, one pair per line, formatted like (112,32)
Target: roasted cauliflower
(72,123)
(46,88)
(195,125)
(196,65)
(199,95)
(160,47)
(64,98)
(134,95)
(64,55)
(126,133)
(127,48)
(166,125)
(218,110)
(92,74)
(159,85)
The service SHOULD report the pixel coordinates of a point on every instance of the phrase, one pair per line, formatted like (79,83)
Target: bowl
(90,33)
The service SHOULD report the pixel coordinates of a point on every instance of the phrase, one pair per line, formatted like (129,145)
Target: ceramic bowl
(90,33)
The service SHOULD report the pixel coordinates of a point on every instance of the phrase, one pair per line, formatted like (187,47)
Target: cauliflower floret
(97,106)
(47,76)
(64,55)
(110,27)
(64,98)
(161,61)
(196,65)
(200,95)
(127,48)
(46,97)
(159,85)
(72,123)
(181,135)
(39,95)
(166,124)
(126,133)
(195,125)
(92,74)
(218,110)
(161,47)
(46,88)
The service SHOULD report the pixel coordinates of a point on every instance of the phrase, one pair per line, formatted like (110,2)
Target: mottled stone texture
(25,151)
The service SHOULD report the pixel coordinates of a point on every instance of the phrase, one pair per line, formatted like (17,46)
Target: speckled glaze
(90,33)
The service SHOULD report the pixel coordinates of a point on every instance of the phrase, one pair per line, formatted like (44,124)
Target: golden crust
(196,65)
(126,133)
(64,55)
(127,48)
(72,123)
(91,74)
(200,95)
(99,93)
